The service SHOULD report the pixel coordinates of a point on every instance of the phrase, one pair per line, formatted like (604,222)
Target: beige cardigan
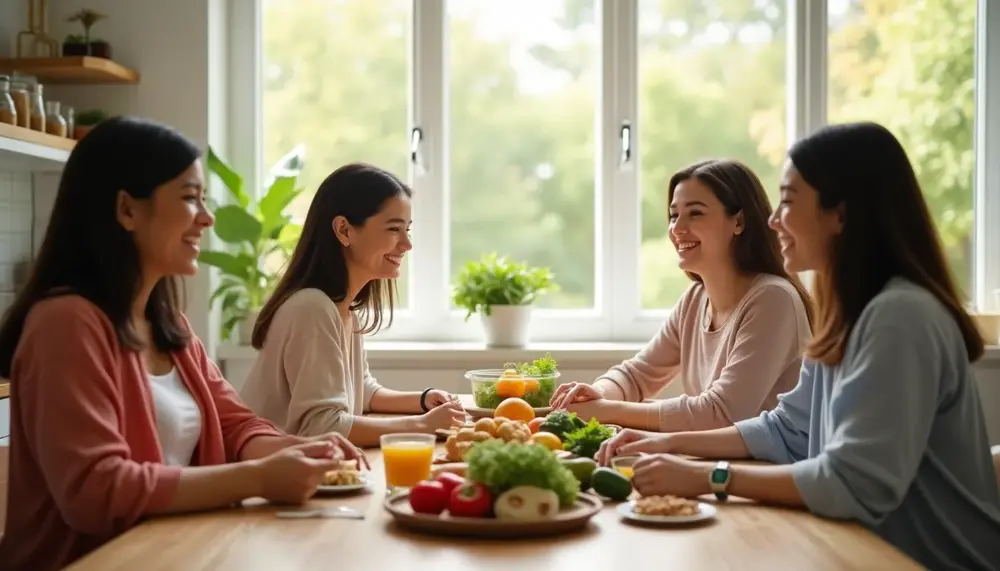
(311,377)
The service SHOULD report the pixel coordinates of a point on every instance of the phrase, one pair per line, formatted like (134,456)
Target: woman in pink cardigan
(117,414)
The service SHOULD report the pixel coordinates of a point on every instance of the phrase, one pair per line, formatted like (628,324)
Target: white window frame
(617,315)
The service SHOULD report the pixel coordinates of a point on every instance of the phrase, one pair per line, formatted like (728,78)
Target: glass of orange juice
(624,465)
(407,459)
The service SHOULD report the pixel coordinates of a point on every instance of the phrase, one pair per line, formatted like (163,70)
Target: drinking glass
(623,464)
(407,459)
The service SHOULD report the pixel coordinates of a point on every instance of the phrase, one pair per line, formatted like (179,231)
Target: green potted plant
(502,293)
(253,232)
(86,120)
(84,44)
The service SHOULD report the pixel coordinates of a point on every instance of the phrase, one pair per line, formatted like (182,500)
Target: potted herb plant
(253,232)
(502,293)
(84,121)
(85,45)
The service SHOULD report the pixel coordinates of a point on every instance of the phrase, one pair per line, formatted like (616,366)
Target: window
(911,66)
(547,130)
(711,84)
(335,76)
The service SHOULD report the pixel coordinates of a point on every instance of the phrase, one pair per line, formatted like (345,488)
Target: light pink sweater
(85,458)
(729,374)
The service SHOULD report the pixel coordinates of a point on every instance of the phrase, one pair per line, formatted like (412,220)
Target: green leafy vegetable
(543,366)
(485,393)
(561,423)
(586,441)
(501,466)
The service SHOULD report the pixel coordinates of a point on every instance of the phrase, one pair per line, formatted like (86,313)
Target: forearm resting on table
(266,444)
(609,389)
(395,402)
(770,484)
(366,430)
(722,443)
(211,487)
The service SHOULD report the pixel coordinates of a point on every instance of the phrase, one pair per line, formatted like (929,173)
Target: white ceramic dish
(705,512)
(366,481)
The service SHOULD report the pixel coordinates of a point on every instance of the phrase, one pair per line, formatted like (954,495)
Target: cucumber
(582,469)
(610,484)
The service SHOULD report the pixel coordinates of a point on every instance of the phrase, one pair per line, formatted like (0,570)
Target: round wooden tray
(568,520)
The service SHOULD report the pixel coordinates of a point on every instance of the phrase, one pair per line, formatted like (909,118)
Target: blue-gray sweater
(894,436)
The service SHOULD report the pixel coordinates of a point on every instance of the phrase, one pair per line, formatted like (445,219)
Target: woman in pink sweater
(736,336)
(117,413)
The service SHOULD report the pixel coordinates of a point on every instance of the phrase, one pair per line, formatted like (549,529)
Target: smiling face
(375,249)
(805,231)
(700,229)
(168,226)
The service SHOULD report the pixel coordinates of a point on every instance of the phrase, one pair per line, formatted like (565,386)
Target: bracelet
(423,396)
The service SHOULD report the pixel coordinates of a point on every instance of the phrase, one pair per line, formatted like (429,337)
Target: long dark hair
(87,252)
(356,191)
(887,231)
(756,250)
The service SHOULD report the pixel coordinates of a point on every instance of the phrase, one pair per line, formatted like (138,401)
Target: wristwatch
(718,479)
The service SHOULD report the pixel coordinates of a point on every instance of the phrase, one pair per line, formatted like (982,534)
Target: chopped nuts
(665,506)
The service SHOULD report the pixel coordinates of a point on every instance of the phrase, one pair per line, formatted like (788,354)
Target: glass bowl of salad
(534,382)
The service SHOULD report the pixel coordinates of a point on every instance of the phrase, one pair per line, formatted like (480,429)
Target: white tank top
(178,419)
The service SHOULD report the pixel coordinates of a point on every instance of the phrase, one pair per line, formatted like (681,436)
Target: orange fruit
(547,439)
(510,388)
(515,409)
(530,386)
(536,423)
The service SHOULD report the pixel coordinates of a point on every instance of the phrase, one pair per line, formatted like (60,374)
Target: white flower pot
(245,327)
(507,325)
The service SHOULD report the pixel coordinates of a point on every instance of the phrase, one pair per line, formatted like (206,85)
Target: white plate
(705,511)
(365,482)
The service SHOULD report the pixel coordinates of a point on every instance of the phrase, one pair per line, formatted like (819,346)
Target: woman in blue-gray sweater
(885,425)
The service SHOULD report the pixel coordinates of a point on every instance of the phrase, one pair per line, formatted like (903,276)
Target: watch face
(719,476)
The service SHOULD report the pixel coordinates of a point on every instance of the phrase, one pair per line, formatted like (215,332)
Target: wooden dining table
(743,535)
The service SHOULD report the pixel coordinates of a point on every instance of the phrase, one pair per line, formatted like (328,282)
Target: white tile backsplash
(16,216)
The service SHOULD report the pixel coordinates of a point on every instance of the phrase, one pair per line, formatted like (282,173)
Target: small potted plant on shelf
(85,45)
(254,233)
(502,293)
(86,120)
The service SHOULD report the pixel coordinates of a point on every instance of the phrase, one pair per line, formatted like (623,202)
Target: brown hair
(355,191)
(756,250)
(87,252)
(887,232)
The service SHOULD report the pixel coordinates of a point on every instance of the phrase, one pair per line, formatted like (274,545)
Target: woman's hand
(570,393)
(661,474)
(630,441)
(437,397)
(291,475)
(343,447)
(442,416)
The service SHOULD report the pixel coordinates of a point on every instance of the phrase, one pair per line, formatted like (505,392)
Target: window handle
(625,135)
(416,157)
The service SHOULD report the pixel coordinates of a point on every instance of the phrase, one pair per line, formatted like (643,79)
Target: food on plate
(449,480)
(535,382)
(561,423)
(515,409)
(471,499)
(502,466)
(460,442)
(547,439)
(610,483)
(582,469)
(429,497)
(346,474)
(587,441)
(526,503)
(457,468)
(665,506)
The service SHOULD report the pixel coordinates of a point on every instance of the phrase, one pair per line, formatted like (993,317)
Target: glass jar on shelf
(8,112)
(54,122)
(37,108)
(69,114)
(22,101)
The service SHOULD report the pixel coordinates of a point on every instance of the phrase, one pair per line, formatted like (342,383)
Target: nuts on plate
(665,506)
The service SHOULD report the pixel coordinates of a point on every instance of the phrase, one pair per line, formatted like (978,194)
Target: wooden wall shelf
(24,147)
(71,70)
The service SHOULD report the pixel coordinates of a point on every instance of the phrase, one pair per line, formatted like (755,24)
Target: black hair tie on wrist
(423,397)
